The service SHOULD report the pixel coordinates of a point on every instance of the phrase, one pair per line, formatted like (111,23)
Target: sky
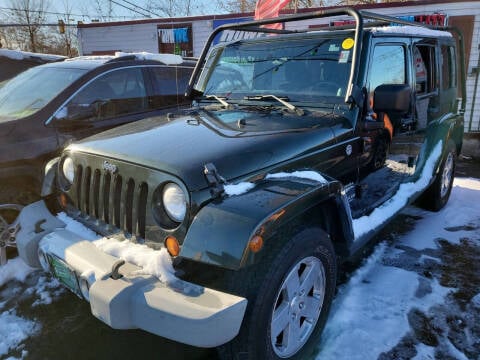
(86,10)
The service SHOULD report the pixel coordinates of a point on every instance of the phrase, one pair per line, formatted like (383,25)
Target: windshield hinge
(356,96)
(214,180)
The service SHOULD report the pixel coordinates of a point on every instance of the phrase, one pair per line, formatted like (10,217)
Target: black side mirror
(392,98)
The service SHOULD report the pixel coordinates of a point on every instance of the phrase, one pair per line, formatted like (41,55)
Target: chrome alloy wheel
(447,175)
(298,306)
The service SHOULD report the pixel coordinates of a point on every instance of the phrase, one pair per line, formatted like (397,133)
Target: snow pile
(77,227)
(462,210)
(310,175)
(20,55)
(238,189)
(243,187)
(384,212)
(14,269)
(167,59)
(153,262)
(411,30)
(14,330)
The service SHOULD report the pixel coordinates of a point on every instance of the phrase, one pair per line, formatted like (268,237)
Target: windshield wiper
(225,104)
(283,101)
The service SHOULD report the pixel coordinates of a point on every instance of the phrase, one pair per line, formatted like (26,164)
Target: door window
(388,66)
(169,84)
(117,93)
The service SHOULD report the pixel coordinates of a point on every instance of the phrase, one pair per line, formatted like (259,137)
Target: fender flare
(220,233)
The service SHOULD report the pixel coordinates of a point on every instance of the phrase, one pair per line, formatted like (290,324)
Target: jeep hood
(183,146)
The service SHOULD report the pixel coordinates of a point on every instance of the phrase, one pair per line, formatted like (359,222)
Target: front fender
(220,232)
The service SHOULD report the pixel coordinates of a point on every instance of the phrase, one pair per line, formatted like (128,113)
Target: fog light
(172,246)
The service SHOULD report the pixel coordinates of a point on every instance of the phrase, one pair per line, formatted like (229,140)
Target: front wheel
(437,194)
(289,297)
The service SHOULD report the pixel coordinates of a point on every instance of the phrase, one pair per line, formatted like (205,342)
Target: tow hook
(8,231)
(115,275)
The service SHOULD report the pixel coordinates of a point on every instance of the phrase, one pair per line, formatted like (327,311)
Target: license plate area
(64,273)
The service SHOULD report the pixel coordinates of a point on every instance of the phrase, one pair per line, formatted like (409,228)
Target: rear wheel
(437,194)
(289,296)
(8,229)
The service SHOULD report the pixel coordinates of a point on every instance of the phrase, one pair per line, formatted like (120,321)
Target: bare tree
(69,36)
(171,8)
(31,14)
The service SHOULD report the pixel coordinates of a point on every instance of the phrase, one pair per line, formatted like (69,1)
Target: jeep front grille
(116,201)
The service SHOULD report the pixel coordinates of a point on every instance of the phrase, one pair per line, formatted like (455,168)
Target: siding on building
(142,36)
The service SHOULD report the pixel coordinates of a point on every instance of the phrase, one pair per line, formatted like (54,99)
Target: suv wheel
(437,194)
(289,298)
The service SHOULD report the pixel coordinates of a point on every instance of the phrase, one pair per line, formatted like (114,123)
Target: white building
(187,36)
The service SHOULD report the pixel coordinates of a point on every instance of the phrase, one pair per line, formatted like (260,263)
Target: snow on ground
(371,312)
(378,313)
(14,269)
(14,330)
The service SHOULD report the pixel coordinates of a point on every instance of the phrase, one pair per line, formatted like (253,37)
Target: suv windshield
(302,70)
(28,92)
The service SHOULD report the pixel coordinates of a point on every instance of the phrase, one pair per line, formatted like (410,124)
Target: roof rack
(353,94)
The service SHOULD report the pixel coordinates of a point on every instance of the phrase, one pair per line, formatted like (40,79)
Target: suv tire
(280,287)
(437,194)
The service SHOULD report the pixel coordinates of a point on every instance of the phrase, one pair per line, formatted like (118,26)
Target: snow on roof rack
(167,59)
(92,57)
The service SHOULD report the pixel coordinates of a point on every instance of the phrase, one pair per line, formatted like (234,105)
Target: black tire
(437,194)
(310,251)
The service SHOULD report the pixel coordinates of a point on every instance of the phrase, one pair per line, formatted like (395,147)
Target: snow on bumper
(179,310)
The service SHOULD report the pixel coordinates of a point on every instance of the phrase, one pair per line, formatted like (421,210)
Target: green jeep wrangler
(299,147)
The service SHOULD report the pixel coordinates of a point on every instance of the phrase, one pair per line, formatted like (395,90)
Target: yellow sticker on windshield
(348,43)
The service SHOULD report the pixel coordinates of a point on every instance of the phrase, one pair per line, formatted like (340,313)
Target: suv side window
(117,93)
(169,83)
(426,84)
(449,71)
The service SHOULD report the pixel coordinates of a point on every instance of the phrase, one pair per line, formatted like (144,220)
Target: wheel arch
(221,232)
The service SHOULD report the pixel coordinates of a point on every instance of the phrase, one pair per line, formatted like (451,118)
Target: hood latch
(214,180)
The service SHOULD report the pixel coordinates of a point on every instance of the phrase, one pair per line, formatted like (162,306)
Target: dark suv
(299,148)
(13,62)
(49,105)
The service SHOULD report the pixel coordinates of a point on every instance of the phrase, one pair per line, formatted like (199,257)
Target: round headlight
(174,202)
(68,169)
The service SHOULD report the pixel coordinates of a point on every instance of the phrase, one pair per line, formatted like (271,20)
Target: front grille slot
(142,207)
(116,201)
(96,193)
(129,206)
(106,198)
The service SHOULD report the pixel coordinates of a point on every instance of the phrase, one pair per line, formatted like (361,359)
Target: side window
(388,66)
(449,72)
(424,58)
(117,93)
(169,84)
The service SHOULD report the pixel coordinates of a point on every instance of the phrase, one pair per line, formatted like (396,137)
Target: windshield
(300,69)
(28,92)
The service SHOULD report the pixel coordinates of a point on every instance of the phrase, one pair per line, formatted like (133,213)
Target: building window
(175,39)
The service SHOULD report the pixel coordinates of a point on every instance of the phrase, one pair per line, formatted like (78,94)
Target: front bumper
(179,310)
